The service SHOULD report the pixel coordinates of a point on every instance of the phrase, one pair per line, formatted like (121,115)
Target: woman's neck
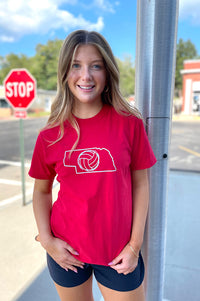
(85,111)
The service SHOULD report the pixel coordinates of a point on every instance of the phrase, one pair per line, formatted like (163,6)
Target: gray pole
(21,122)
(155,71)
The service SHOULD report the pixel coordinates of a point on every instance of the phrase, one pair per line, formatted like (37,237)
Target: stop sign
(20,88)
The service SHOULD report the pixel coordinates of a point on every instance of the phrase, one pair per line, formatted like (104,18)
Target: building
(191,87)
(43,100)
(5,108)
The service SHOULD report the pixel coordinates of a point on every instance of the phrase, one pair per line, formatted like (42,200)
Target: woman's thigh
(134,295)
(71,286)
(81,292)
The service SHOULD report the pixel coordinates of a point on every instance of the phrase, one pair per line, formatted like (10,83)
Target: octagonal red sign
(20,88)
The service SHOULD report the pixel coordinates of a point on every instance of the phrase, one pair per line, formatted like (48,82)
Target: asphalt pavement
(10,137)
(185,145)
(23,272)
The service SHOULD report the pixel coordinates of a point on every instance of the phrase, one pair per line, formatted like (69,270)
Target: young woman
(96,146)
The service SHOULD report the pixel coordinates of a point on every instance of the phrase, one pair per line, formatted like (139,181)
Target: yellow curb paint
(189,151)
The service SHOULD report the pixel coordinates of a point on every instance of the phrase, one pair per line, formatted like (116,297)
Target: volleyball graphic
(88,160)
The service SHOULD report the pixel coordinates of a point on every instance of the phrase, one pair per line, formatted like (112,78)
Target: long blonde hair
(62,106)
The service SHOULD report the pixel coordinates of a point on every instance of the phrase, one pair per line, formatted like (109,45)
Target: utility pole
(155,72)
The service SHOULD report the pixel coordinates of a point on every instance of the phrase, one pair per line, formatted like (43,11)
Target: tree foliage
(43,66)
(13,61)
(185,50)
(127,76)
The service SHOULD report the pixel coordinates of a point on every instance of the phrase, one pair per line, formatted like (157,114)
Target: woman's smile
(86,88)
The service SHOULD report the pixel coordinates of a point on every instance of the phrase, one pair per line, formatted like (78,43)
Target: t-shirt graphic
(90,160)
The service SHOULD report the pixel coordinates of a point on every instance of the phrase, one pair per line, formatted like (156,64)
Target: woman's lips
(86,88)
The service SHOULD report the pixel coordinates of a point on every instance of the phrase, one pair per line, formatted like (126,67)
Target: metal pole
(155,72)
(21,121)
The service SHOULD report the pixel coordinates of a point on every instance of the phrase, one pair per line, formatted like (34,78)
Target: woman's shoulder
(52,133)
(49,133)
(125,116)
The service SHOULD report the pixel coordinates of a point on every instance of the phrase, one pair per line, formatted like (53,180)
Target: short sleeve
(142,153)
(40,168)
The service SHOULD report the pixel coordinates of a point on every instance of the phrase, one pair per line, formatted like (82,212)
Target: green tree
(13,61)
(127,76)
(45,64)
(185,50)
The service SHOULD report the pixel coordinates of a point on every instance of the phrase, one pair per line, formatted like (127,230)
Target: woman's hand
(125,262)
(62,253)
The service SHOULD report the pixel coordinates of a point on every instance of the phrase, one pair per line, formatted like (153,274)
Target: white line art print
(90,160)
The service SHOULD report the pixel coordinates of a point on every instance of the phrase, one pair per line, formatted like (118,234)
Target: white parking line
(19,196)
(14,163)
(15,198)
(13,182)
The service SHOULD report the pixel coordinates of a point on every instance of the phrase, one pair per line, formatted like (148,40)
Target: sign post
(155,70)
(21,123)
(20,91)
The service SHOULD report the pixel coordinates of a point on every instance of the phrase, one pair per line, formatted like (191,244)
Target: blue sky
(26,23)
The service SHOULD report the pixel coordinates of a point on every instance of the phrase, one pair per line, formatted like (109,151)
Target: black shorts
(103,274)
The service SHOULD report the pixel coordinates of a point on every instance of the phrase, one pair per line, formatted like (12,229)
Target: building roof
(190,71)
(192,61)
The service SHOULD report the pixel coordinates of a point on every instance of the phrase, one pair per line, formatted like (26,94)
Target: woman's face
(87,76)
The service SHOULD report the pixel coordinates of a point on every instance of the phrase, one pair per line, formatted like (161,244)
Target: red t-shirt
(93,211)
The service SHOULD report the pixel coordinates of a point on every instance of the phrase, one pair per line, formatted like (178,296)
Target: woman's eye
(75,66)
(96,67)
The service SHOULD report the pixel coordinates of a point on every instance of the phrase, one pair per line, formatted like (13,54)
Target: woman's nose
(86,73)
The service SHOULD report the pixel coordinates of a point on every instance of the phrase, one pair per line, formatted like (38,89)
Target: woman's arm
(42,204)
(127,260)
(58,249)
(140,207)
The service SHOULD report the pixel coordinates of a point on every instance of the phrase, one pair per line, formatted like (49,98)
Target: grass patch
(38,114)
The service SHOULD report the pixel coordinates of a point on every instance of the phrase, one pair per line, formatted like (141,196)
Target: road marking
(13,182)
(189,151)
(13,163)
(174,158)
(19,196)
(15,198)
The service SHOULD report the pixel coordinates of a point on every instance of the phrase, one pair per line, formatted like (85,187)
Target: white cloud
(23,17)
(4,38)
(100,5)
(189,9)
(105,5)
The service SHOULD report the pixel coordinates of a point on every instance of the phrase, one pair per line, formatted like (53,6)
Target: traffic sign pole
(20,91)
(21,123)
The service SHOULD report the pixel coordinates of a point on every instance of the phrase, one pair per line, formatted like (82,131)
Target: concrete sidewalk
(21,258)
(182,268)
(23,273)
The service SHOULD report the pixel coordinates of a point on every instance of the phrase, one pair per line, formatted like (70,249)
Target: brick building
(191,87)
